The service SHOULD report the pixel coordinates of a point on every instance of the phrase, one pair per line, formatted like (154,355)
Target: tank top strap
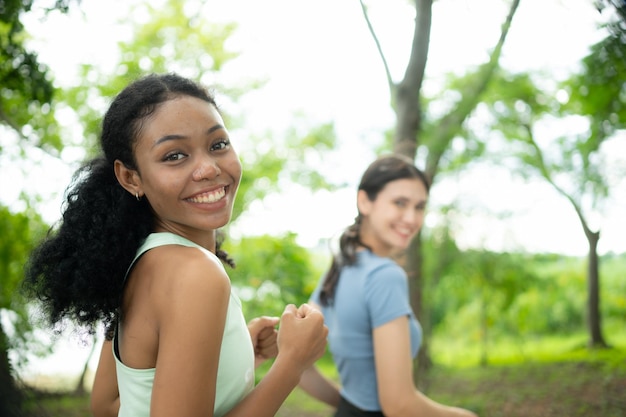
(155,240)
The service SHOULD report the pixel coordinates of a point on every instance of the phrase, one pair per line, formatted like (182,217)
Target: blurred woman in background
(373,332)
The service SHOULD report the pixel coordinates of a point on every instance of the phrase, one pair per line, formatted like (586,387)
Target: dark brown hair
(382,171)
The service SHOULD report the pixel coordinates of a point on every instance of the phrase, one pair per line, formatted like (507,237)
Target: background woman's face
(394,217)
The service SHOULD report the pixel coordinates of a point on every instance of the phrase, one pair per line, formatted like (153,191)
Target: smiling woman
(137,250)
(373,332)
(186,139)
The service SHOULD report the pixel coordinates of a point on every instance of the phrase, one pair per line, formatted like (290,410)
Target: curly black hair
(78,270)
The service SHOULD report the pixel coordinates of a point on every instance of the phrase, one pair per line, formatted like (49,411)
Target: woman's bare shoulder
(172,271)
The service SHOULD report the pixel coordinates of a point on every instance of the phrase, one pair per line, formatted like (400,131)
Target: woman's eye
(174,156)
(220,145)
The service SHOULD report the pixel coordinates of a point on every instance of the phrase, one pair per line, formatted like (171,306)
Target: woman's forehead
(405,187)
(180,116)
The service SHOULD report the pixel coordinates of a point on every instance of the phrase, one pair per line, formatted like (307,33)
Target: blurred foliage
(269,162)
(20,231)
(554,130)
(516,296)
(201,53)
(26,87)
(271,272)
(598,91)
(519,105)
(617,20)
(26,109)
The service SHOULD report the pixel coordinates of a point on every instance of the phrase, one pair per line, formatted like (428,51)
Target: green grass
(555,377)
(49,404)
(533,389)
(460,352)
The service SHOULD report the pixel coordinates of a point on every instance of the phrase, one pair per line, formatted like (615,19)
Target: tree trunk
(10,395)
(413,266)
(406,103)
(408,125)
(484,332)
(594,318)
(405,98)
(407,92)
(80,385)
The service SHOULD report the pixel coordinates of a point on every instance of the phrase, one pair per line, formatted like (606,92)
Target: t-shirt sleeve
(315,296)
(387,294)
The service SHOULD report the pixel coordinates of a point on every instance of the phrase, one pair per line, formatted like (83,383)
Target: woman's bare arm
(105,397)
(301,341)
(191,315)
(394,369)
(319,387)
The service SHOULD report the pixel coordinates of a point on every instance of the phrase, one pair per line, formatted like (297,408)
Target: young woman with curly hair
(137,249)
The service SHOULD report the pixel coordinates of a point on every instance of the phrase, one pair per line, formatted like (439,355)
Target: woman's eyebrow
(178,137)
(167,138)
(214,128)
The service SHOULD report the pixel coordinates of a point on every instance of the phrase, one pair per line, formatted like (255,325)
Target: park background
(306,84)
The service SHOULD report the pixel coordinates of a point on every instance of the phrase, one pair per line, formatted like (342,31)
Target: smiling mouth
(405,231)
(210,197)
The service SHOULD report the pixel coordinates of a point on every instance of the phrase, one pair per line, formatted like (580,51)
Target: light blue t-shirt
(235,374)
(370,293)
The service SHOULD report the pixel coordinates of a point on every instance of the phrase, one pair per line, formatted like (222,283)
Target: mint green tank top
(235,374)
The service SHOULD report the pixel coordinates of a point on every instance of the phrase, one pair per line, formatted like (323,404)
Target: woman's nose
(412,217)
(207,169)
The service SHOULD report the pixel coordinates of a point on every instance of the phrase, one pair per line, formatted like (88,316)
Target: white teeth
(405,231)
(209,197)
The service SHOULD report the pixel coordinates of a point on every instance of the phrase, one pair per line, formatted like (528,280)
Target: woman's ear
(363,203)
(128,178)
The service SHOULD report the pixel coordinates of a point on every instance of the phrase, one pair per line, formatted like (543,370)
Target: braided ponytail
(349,241)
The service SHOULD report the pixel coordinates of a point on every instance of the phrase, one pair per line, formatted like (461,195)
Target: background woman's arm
(319,387)
(105,397)
(394,369)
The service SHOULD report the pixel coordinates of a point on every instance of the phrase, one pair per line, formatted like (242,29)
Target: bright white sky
(322,61)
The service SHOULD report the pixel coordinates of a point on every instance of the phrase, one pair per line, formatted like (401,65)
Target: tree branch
(545,173)
(378,47)
(414,74)
(451,123)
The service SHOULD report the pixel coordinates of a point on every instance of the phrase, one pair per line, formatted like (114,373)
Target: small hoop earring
(137,196)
